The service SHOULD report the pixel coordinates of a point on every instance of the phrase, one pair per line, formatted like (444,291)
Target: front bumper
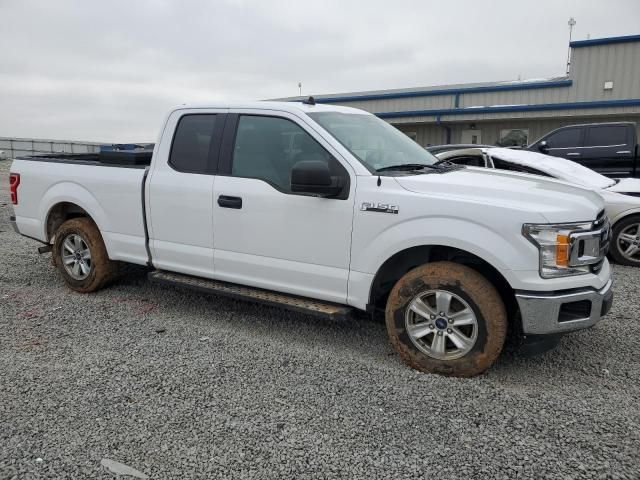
(563,311)
(12,221)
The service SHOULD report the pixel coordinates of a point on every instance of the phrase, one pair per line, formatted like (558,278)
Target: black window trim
(214,146)
(225,162)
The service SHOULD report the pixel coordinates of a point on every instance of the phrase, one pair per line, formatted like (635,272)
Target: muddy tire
(446,318)
(625,241)
(81,257)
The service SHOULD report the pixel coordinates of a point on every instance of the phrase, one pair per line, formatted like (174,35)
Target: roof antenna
(309,101)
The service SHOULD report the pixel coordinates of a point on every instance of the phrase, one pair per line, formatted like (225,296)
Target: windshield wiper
(406,166)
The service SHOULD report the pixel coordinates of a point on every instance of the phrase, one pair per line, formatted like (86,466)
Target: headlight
(554,243)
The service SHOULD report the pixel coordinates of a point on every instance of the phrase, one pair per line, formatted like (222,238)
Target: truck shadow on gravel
(361,336)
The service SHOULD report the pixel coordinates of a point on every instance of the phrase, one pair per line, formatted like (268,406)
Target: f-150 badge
(379,207)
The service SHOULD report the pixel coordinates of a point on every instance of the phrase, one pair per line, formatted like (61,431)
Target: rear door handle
(226,201)
(573,154)
(623,152)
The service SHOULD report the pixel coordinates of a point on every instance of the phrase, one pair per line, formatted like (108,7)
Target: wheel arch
(60,213)
(407,259)
(67,200)
(635,212)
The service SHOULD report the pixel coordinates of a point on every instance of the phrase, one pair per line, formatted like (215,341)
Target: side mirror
(313,177)
(543,146)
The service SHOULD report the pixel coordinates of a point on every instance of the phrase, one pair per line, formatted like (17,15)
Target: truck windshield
(374,142)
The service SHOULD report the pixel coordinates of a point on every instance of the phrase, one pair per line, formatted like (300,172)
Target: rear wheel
(81,257)
(446,318)
(625,244)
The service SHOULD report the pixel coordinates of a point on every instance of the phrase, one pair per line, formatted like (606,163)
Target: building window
(514,137)
(412,135)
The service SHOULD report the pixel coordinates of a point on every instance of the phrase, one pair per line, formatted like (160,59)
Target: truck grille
(602,223)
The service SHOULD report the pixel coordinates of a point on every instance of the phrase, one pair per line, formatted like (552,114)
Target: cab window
(266,148)
(190,150)
(567,138)
(606,136)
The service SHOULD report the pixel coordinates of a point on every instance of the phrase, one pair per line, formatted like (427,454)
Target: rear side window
(606,135)
(469,160)
(569,138)
(502,165)
(192,143)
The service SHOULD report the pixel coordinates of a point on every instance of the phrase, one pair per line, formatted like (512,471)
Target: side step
(308,306)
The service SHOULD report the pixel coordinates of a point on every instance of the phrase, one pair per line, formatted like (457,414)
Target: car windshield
(374,142)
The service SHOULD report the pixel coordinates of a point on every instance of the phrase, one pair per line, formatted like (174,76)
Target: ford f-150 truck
(326,209)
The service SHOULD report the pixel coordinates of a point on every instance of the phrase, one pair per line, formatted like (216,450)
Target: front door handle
(573,154)
(226,201)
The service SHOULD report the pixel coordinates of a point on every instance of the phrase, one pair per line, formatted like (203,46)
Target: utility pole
(571,23)
(300,87)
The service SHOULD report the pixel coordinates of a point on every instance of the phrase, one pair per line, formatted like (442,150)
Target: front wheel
(625,242)
(446,318)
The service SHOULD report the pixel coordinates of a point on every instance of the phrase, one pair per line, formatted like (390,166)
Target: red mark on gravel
(147,307)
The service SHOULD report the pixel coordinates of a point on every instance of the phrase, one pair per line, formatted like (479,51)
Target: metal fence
(18,147)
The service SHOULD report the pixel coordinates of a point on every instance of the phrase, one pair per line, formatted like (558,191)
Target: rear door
(180,192)
(608,149)
(267,236)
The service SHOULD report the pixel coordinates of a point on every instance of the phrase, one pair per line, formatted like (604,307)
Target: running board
(308,306)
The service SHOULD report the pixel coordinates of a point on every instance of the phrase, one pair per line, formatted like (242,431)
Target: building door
(473,137)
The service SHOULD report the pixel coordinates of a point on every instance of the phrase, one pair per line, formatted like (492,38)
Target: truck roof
(292,107)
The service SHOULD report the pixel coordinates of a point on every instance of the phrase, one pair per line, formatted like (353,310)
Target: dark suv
(608,148)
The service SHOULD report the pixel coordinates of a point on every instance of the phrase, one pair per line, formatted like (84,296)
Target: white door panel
(181,218)
(305,279)
(292,243)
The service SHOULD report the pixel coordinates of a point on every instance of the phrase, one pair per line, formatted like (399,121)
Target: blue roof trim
(446,91)
(512,108)
(604,41)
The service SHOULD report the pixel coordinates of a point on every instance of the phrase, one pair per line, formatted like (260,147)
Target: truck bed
(117,158)
(111,196)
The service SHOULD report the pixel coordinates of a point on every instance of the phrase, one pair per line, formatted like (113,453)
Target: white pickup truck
(326,209)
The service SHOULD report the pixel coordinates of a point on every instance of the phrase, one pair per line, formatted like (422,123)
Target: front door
(566,143)
(265,235)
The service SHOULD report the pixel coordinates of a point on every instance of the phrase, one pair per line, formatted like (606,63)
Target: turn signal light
(14,181)
(562,250)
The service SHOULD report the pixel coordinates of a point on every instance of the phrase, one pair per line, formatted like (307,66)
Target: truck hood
(555,200)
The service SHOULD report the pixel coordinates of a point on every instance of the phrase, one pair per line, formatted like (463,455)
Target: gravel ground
(181,385)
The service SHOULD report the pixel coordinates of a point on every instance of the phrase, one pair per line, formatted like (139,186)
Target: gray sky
(109,70)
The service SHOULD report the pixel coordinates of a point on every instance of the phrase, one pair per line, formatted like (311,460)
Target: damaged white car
(621,196)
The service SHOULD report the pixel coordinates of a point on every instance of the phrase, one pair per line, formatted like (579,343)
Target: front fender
(505,252)
(615,214)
